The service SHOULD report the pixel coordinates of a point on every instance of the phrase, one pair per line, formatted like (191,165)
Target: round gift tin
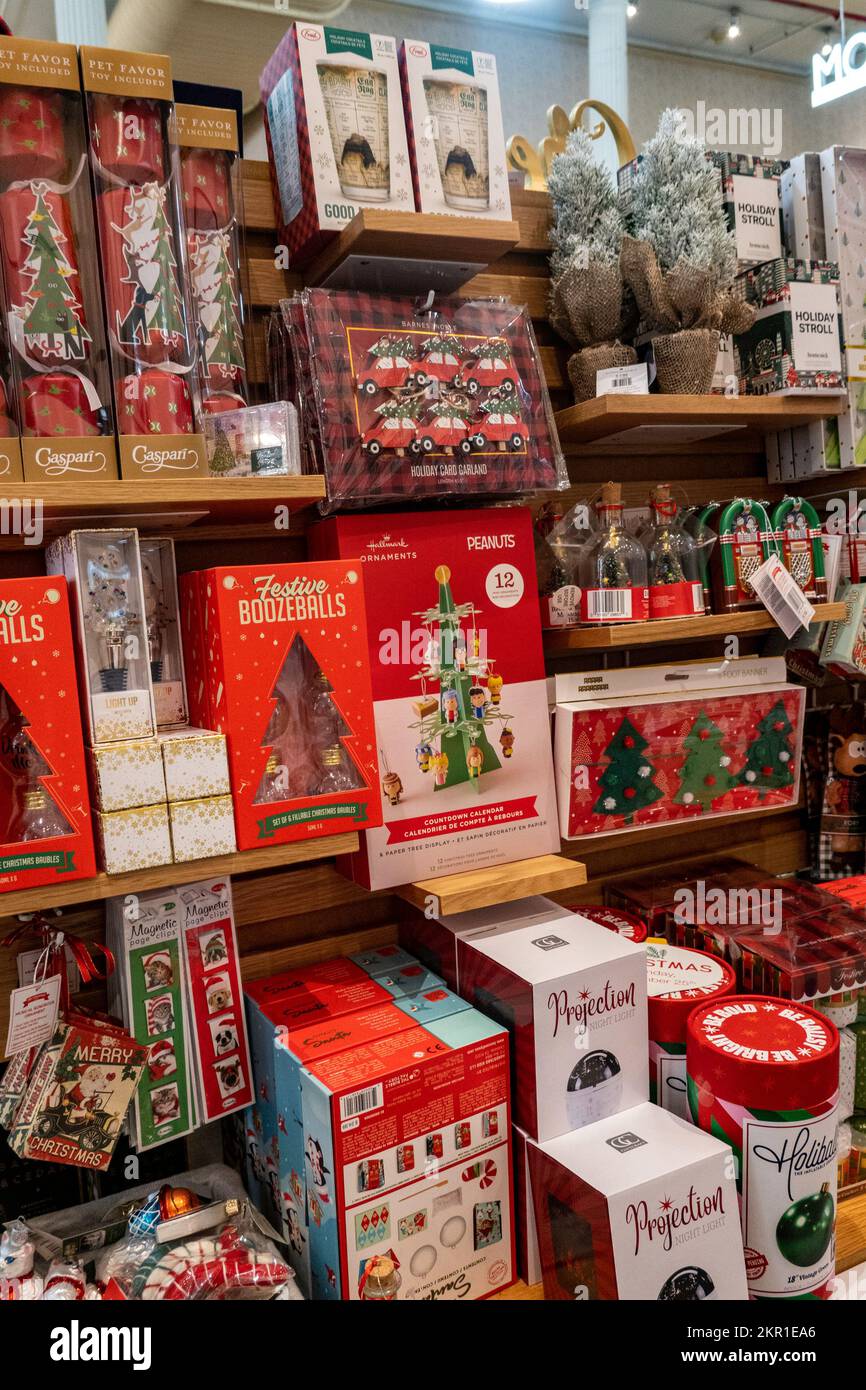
(678,980)
(615,919)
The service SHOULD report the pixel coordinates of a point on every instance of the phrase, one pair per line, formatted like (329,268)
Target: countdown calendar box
(459,692)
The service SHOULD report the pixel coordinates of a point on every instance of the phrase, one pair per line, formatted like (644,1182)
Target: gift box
(125,775)
(454,124)
(639,1206)
(202,828)
(459,691)
(138,838)
(195,764)
(628,756)
(368,1183)
(794,347)
(257,441)
(752,202)
(844,647)
(336,132)
(811,958)
(573,997)
(677,981)
(803,208)
(44,808)
(525,1230)
(434,940)
(159,578)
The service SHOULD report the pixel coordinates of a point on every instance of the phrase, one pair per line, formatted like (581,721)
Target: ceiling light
(631,9)
(734,26)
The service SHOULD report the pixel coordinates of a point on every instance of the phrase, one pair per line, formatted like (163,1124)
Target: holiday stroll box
(794,347)
(573,996)
(454,123)
(43,774)
(752,202)
(628,755)
(459,691)
(287,682)
(642,1206)
(335,130)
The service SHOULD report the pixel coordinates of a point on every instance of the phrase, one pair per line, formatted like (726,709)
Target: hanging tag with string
(34,1008)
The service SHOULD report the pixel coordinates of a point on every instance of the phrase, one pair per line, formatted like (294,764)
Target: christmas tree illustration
(169,317)
(222,460)
(704,775)
(627,784)
(769,756)
(27,808)
(224,347)
(454,725)
(53,312)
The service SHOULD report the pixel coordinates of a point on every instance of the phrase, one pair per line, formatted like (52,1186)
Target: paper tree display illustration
(704,776)
(627,784)
(770,757)
(53,314)
(458,703)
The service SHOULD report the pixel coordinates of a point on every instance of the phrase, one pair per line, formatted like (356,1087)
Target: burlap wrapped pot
(686,361)
(583,365)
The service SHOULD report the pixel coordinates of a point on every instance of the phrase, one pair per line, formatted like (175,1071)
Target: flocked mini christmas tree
(704,775)
(627,784)
(587,220)
(53,311)
(769,757)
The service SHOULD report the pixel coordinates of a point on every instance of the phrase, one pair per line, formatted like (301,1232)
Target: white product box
(127,774)
(133,839)
(525,1230)
(434,939)
(843,184)
(454,124)
(574,998)
(203,828)
(803,208)
(195,764)
(642,1206)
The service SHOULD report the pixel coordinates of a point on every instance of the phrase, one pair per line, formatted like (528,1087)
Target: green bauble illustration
(806,1228)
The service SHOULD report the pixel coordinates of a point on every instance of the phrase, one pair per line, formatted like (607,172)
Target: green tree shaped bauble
(627,784)
(704,775)
(769,756)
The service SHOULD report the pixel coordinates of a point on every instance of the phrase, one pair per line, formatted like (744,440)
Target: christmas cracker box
(407,1155)
(43,785)
(459,691)
(843,184)
(751,198)
(803,208)
(639,1206)
(794,346)
(288,683)
(573,996)
(434,940)
(628,755)
(336,132)
(454,124)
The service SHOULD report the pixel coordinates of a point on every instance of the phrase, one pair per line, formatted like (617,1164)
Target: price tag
(782,596)
(623,381)
(33,1013)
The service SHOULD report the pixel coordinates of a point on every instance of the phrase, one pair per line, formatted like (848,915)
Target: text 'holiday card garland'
(459,691)
(627,756)
(286,679)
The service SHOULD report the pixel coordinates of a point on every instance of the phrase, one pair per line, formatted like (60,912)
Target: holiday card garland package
(213,214)
(412,405)
(573,997)
(764,1076)
(628,755)
(803,208)
(145,937)
(408,1155)
(54,316)
(256,441)
(751,199)
(103,570)
(336,132)
(288,684)
(138,187)
(434,939)
(794,346)
(159,579)
(677,981)
(458,688)
(454,123)
(641,1206)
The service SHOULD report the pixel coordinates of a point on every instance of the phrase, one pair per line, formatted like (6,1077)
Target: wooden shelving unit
(622,636)
(681,421)
(505,883)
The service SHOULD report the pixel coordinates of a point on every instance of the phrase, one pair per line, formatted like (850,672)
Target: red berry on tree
(629,792)
(709,780)
(628,741)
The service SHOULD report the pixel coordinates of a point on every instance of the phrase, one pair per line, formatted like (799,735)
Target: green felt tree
(769,756)
(627,784)
(704,775)
(53,309)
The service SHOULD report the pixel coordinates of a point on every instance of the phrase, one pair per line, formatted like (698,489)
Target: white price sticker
(782,596)
(33,1013)
(623,381)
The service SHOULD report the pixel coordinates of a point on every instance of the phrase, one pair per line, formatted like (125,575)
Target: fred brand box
(434,939)
(641,1206)
(574,998)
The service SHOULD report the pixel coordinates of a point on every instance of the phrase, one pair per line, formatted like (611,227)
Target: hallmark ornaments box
(458,688)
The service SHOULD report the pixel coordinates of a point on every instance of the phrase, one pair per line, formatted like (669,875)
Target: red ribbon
(52,937)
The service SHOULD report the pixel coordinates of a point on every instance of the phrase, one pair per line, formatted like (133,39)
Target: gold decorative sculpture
(535,164)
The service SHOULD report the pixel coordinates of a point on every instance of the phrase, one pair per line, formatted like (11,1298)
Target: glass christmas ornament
(337,776)
(612,568)
(107,609)
(675,585)
(380,1281)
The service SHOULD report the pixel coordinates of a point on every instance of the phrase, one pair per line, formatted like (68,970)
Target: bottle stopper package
(412,404)
(53,307)
(136,170)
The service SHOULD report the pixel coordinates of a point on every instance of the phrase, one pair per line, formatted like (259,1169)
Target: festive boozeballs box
(288,684)
(628,755)
(336,132)
(639,1206)
(573,996)
(459,690)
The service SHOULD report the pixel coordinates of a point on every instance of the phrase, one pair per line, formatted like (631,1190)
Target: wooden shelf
(503,883)
(411,252)
(680,421)
(622,636)
(85,890)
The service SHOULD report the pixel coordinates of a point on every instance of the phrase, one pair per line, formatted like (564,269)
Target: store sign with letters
(841,71)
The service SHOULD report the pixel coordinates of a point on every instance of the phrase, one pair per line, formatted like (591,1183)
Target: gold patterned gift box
(202,828)
(126,775)
(195,764)
(133,839)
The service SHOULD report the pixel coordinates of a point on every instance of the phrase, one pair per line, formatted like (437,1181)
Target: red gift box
(31,134)
(40,264)
(55,403)
(127,137)
(154,402)
(143,297)
(207,192)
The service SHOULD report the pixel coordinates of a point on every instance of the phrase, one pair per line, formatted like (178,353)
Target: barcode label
(359,1102)
(607,604)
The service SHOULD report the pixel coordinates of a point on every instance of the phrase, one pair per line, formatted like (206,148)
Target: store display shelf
(679,421)
(164,875)
(622,636)
(405,252)
(503,883)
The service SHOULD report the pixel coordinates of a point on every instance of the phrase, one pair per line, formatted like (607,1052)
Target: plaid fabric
(332,354)
(302,235)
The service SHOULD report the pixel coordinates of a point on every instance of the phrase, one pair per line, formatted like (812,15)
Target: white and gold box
(138,838)
(195,764)
(203,828)
(125,775)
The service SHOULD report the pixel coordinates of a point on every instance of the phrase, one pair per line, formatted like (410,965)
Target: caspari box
(574,998)
(434,940)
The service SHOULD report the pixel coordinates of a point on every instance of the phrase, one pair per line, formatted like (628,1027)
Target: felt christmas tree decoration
(769,756)
(627,784)
(704,776)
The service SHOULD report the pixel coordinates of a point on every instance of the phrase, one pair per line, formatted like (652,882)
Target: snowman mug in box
(458,123)
(356,107)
